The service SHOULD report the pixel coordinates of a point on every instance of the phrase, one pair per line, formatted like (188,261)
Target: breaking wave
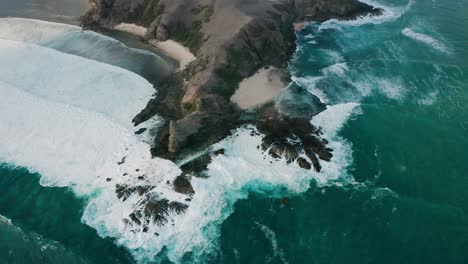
(69,118)
(425,39)
(18,246)
(389,13)
(88,44)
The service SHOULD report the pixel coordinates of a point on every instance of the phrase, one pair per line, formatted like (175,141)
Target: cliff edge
(237,43)
(231,39)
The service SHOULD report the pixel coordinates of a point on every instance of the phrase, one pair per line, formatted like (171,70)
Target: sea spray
(75,81)
(425,39)
(85,43)
(71,142)
(81,145)
(389,13)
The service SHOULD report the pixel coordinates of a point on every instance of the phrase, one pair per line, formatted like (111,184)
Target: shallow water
(395,192)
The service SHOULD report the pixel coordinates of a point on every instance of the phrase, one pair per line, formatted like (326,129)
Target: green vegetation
(239,60)
(207,11)
(191,38)
(152,11)
(189,107)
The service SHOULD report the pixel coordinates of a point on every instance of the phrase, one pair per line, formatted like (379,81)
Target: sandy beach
(132,29)
(258,89)
(171,48)
(176,51)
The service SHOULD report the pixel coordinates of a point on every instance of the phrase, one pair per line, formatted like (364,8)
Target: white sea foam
(338,69)
(334,117)
(425,39)
(72,39)
(389,14)
(331,121)
(50,126)
(333,56)
(429,98)
(72,143)
(310,83)
(75,81)
(391,88)
(271,236)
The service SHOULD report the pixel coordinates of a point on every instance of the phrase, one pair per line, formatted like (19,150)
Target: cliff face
(231,39)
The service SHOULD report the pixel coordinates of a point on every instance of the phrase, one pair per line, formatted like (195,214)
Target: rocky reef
(232,40)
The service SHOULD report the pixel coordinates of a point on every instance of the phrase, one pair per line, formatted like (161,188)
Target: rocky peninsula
(240,48)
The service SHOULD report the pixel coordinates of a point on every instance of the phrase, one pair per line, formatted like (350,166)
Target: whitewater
(68,117)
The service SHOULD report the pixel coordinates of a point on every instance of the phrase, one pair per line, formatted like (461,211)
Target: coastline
(176,51)
(170,48)
(224,49)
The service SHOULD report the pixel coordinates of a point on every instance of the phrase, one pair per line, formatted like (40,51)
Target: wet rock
(219,152)
(140,131)
(183,185)
(134,218)
(290,153)
(325,155)
(322,10)
(122,161)
(197,166)
(287,137)
(195,102)
(315,162)
(125,191)
(303,163)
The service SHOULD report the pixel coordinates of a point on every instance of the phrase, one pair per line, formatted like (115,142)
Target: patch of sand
(176,51)
(298,26)
(258,89)
(132,29)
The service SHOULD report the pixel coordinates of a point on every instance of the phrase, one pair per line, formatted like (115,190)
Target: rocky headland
(232,41)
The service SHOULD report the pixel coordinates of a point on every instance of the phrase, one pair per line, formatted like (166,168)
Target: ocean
(396,87)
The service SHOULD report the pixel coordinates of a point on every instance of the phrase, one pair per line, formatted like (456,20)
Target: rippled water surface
(395,192)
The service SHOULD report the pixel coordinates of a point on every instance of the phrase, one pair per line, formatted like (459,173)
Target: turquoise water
(410,149)
(408,200)
(47,217)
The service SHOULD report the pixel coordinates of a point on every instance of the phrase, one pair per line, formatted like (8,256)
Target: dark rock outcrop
(232,39)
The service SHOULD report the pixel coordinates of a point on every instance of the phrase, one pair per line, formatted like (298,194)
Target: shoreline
(204,104)
(170,48)
(174,50)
